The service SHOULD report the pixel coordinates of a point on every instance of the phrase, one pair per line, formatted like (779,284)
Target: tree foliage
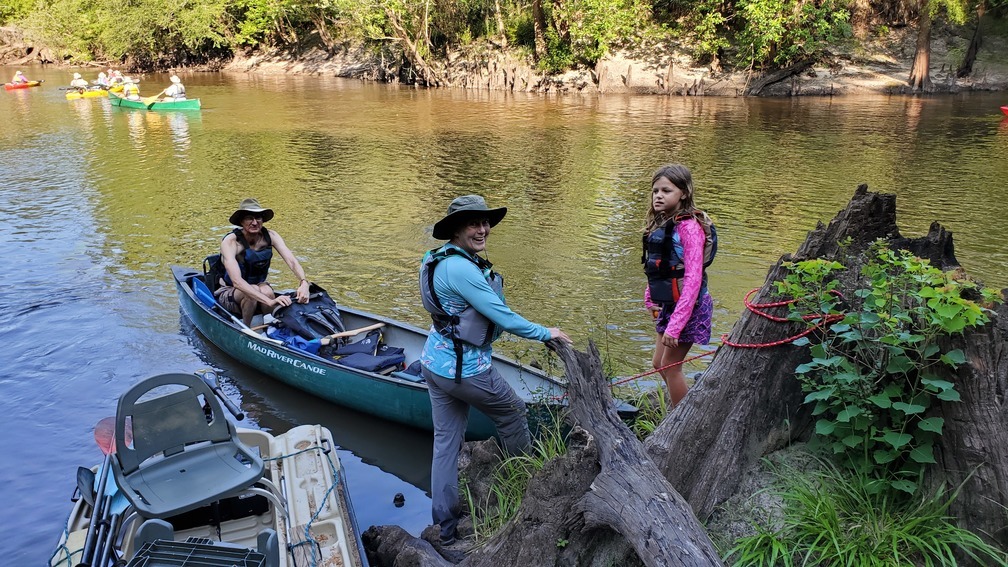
(561,33)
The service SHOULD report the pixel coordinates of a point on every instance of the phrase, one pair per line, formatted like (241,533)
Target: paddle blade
(104,434)
(203,293)
(85,484)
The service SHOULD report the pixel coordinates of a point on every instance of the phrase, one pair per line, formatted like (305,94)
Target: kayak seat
(185,453)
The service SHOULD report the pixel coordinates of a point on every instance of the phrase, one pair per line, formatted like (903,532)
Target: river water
(98,202)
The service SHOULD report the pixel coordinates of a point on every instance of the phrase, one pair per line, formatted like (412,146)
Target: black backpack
(213,271)
(313,320)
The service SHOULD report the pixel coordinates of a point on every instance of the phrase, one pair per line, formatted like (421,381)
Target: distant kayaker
(130,90)
(246,253)
(465,298)
(19,78)
(78,83)
(102,80)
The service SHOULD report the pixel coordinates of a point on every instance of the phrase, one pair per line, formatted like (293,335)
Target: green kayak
(188,104)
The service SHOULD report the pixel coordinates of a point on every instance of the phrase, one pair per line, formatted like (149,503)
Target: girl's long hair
(681,177)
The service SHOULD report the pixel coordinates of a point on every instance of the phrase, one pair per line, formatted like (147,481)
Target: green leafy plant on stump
(876,372)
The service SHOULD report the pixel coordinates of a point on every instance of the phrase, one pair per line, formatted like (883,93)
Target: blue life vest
(254,264)
(663,259)
(469,326)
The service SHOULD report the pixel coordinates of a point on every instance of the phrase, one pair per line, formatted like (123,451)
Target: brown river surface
(98,202)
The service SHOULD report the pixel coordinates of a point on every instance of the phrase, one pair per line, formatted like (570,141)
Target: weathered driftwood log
(629,495)
(763,82)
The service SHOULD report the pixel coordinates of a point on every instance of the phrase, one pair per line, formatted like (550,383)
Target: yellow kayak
(71,95)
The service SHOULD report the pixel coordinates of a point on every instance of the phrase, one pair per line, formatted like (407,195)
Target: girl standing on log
(678,239)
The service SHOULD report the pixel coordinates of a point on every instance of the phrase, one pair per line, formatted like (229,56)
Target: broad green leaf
(847,413)
(905,486)
(819,395)
(801,341)
(909,409)
(932,424)
(923,455)
(852,440)
(840,327)
(824,427)
(930,350)
(883,456)
(818,351)
(899,365)
(895,439)
(806,368)
(949,396)
(936,384)
(954,357)
(881,400)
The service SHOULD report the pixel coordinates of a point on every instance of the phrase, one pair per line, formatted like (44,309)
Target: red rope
(756,308)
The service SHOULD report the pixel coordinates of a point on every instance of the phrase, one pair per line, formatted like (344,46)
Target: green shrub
(876,374)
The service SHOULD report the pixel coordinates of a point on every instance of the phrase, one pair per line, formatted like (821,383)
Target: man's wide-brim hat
(463,209)
(250,207)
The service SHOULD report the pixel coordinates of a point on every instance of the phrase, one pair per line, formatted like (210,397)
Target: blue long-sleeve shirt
(459,282)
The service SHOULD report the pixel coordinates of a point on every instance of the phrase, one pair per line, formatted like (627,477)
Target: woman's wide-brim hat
(250,207)
(463,209)
(175,79)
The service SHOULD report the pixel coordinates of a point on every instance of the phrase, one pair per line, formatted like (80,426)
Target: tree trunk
(539,26)
(499,18)
(974,449)
(920,72)
(966,67)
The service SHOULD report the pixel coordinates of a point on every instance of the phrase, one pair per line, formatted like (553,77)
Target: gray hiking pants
(490,394)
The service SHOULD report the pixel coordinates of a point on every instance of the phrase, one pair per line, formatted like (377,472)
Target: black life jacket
(255,264)
(469,326)
(663,262)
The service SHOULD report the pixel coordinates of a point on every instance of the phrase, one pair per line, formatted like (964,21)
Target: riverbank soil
(874,65)
(878,64)
(611,500)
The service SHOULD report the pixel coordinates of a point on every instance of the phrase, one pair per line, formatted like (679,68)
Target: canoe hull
(309,474)
(28,85)
(96,93)
(396,397)
(188,104)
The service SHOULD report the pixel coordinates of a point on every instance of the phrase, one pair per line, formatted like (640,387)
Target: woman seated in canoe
(19,78)
(130,90)
(246,253)
(175,91)
(78,83)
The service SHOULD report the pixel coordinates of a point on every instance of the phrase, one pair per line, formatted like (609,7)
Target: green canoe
(396,396)
(188,104)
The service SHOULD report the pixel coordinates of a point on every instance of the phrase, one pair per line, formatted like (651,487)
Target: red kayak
(1005,110)
(29,84)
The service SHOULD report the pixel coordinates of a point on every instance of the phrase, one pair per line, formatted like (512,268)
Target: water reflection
(99,205)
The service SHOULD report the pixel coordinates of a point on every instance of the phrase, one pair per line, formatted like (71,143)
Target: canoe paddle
(150,100)
(206,297)
(104,434)
(210,378)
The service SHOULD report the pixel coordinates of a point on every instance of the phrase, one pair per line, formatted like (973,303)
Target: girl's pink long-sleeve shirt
(692,236)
